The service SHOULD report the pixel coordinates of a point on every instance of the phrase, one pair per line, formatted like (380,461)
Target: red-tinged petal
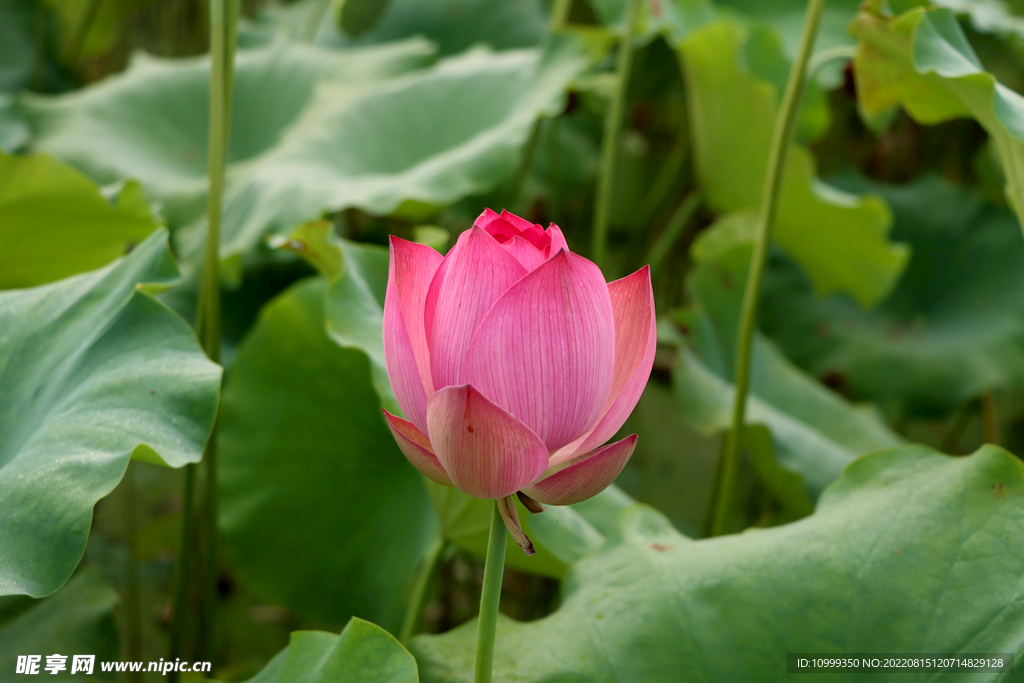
(474,274)
(507,508)
(518,223)
(636,339)
(411,268)
(586,477)
(495,225)
(416,447)
(546,350)
(486,452)
(557,239)
(525,252)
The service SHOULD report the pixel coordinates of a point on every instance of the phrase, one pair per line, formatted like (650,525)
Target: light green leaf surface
(454,25)
(361,653)
(321,511)
(405,144)
(815,432)
(910,551)
(76,620)
(922,61)
(839,239)
(952,329)
(93,370)
(54,222)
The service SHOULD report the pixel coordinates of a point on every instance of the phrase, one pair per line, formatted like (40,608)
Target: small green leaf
(922,61)
(839,239)
(93,370)
(363,652)
(54,222)
(76,620)
(314,491)
(910,551)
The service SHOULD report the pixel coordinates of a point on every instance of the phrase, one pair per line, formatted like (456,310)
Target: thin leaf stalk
(223,41)
(610,140)
(487,624)
(782,136)
(418,599)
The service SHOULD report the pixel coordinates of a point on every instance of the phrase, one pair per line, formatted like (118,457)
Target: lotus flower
(514,362)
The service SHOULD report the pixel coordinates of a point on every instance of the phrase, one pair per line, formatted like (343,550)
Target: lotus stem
(782,136)
(610,141)
(494,570)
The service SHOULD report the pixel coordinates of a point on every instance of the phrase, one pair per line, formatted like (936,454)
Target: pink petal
(507,508)
(518,223)
(526,253)
(586,477)
(416,447)
(636,339)
(406,355)
(486,452)
(474,274)
(557,239)
(495,225)
(546,350)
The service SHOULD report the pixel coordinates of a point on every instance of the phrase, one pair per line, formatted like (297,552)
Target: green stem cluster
(782,137)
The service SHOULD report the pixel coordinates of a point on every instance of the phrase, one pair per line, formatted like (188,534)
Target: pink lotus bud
(515,361)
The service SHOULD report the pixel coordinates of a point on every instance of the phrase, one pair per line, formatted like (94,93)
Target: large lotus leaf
(320,509)
(151,121)
(922,61)
(815,432)
(732,115)
(362,652)
(77,620)
(910,551)
(453,24)
(430,138)
(951,330)
(93,371)
(54,222)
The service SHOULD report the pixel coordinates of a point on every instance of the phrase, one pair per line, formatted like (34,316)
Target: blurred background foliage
(891,311)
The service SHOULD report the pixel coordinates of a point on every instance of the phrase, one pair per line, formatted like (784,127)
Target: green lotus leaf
(815,432)
(449,132)
(76,620)
(150,122)
(362,652)
(54,222)
(950,331)
(94,371)
(321,511)
(910,551)
(922,61)
(732,114)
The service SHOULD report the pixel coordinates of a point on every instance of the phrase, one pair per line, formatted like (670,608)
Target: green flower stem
(92,10)
(785,124)
(418,599)
(133,604)
(223,39)
(494,569)
(560,14)
(610,141)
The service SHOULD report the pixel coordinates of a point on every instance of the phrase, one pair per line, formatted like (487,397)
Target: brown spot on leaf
(152,391)
(659,547)
(999,488)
